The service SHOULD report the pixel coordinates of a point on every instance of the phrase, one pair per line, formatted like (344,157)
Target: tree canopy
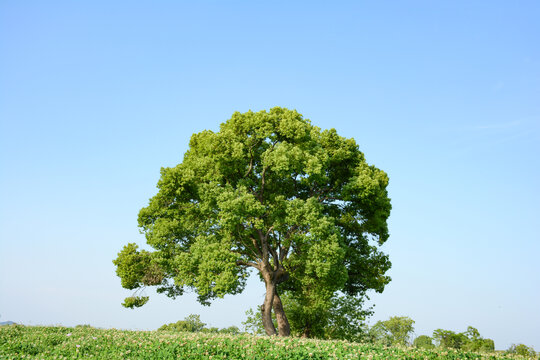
(469,340)
(271,192)
(397,330)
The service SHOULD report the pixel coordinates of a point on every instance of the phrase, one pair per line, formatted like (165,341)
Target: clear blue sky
(444,96)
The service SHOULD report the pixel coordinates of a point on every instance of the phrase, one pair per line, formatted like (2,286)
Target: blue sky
(444,96)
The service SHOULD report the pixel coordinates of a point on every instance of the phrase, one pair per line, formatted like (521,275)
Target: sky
(97,96)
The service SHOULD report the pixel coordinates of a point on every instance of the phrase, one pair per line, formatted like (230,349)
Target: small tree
(423,342)
(449,339)
(521,349)
(469,340)
(192,323)
(233,330)
(395,331)
(476,342)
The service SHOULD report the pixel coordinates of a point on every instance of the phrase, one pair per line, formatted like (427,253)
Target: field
(40,342)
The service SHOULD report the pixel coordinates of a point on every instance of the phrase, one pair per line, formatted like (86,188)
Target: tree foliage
(449,339)
(272,192)
(521,349)
(397,330)
(342,318)
(253,323)
(192,323)
(469,340)
(423,342)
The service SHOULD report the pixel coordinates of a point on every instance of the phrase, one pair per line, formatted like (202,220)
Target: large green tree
(270,192)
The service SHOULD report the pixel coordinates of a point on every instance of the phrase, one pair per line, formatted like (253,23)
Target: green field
(40,342)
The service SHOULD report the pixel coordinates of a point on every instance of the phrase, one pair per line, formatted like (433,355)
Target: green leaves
(135,301)
(395,331)
(210,267)
(135,268)
(269,191)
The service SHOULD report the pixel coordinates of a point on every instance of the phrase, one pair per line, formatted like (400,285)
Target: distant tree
(233,330)
(472,333)
(379,334)
(346,320)
(469,340)
(449,339)
(423,342)
(211,330)
(271,192)
(84,326)
(395,331)
(521,349)
(485,345)
(191,323)
(476,343)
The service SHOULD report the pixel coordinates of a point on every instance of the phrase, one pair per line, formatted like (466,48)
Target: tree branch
(283,252)
(248,263)
(264,246)
(258,252)
(275,257)
(250,163)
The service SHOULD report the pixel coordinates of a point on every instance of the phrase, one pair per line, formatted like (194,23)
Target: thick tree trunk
(266,309)
(284,329)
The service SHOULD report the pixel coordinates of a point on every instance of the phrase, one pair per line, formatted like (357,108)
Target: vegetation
(192,323)
(344,320)
(269,192)
(423,342)
(17,342)
(395,331)
(522,350)
(469,340)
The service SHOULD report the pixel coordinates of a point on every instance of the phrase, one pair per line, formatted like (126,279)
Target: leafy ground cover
(40,342)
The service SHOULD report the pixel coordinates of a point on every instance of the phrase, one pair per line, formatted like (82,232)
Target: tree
(449,339)
(272,192)
(344,320)
(469,340)
(192,323)
(423,342)
(395,331)
(521,349)
(476,342)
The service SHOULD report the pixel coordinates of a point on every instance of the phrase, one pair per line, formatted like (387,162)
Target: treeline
(399,330)
(396,331)
(193,323)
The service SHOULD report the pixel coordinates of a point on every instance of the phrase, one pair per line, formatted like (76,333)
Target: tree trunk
(284,329)
(266,309)
(307,331)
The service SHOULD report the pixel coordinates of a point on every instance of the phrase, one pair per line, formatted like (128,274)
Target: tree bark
(266,309)
(307,332)
(284,329)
